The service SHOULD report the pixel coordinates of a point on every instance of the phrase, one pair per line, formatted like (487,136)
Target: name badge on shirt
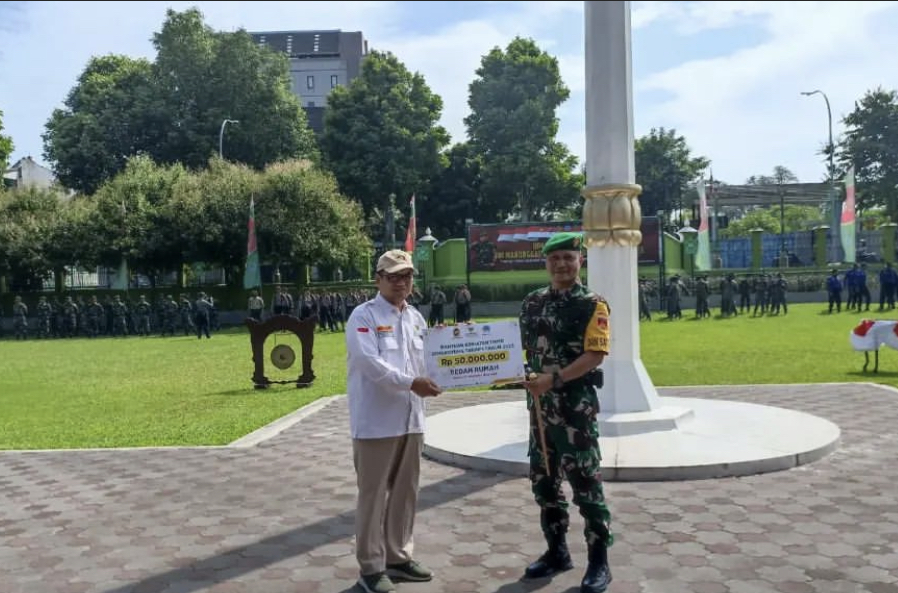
(386,337)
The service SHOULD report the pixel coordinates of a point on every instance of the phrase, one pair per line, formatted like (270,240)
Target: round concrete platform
(720,439)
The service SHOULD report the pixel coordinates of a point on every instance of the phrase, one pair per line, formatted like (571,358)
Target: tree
(871,145)
(665,168)
(781,175)
(795,218)
(759,218)
(71,240)
(6,145)
(108,116)
(135,218)
(27,217)
(215,207)
(381,135)
(512,127)
(455,195)
(301,218)
(208,77)
(173,109)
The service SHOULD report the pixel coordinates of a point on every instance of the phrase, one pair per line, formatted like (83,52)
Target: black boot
(556,559)
(598,575)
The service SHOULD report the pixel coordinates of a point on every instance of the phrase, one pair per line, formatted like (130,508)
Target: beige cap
(394,261)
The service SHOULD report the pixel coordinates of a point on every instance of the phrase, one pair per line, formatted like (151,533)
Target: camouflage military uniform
(44,316)
(142,321)
(20,319)
(95,317)
(557,327)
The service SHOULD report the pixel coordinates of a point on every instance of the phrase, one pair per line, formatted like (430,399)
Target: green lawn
(183,391)
(148,391)
(806,346)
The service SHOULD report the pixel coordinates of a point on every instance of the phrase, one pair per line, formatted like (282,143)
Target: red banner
(496,247)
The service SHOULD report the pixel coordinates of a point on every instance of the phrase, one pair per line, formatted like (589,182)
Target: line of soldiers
(331,308)
(855,281)
(769,296)
(75,317)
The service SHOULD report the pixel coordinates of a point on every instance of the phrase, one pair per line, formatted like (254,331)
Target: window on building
(334,81)
(311,103)
(310,82)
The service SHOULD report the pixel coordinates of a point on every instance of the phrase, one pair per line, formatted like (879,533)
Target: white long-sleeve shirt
(385,353)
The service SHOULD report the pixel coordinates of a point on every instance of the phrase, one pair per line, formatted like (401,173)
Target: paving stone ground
(278,517)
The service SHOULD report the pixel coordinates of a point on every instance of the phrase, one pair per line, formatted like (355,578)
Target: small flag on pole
(412,235)
(703,253)
(848,218)
(252,276)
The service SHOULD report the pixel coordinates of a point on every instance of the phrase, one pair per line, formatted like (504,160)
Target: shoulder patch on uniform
(363,330)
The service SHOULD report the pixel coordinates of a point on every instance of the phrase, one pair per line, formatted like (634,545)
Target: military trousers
(570,420)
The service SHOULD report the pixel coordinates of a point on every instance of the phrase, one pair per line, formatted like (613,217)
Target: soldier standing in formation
(437,303)
(142,310)
(119,317)
(255,305)
(728,290)
(565,333)
(20,319)
(778,295)
(69,318)
(202,315)
(673,298)
(834,291)
(282,304)
(462,304)
(888,283)
(95,317)
(702,290)
(44,315)
(645,312)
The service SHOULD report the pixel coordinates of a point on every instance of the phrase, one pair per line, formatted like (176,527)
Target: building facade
(27,173)
(319,62)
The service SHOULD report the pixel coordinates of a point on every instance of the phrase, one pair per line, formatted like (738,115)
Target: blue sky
(726,75)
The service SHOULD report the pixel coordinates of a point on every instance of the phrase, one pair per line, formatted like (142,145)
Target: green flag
(848,218)
(703,254)
(252,276)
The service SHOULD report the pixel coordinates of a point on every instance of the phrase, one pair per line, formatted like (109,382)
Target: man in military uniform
(142,312)
(70,318)
(119,317)
(565,333)
(44,314)
(96,317)
(484,251)
(20,318)
(202,315)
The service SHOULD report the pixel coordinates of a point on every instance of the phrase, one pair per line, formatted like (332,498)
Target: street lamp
(832,169)
(829,114)
(221,136)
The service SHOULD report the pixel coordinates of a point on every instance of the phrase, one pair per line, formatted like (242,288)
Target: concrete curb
(272,429)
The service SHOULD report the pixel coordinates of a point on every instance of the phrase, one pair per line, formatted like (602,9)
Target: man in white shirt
(386,388)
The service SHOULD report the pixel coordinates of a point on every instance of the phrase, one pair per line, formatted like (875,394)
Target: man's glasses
(396,278)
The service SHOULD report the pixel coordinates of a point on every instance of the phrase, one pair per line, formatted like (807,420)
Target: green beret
(563,242)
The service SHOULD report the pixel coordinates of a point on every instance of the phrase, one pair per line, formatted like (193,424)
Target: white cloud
(42,57)
(739,107)
(744,109)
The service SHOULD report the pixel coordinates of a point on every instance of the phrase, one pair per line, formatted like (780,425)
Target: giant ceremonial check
(475,354)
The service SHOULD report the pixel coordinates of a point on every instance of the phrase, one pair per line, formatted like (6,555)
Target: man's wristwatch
(557,382)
